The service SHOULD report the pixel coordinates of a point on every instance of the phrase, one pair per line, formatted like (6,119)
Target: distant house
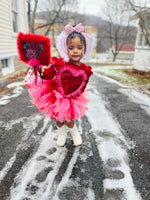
(126,52)
(126,48)
(13,19)
(142,50)
(55,30)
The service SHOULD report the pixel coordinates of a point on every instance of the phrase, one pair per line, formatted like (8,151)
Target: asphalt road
(135,123)
(32,167)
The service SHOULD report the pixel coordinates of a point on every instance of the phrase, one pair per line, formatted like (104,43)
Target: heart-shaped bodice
(70,82)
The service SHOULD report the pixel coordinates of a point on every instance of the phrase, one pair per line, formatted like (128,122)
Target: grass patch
(6,92)
(142,77)
(10,79)
(127,76)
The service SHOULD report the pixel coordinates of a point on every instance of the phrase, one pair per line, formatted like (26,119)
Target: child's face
(75,50)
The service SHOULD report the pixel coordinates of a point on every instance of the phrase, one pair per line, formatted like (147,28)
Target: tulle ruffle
(54,105)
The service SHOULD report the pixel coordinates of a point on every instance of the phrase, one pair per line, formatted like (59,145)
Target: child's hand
(40,70)
(34,63)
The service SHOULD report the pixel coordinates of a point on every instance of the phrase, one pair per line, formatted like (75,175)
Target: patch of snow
(7,98)
(90,194)
(138,97)
(130,191)
(29,124)
(27,176)
(4,101)
(67,174)
(8,125)
(46,121)
(15,84)
(111,145)
(109,149)
(109,67)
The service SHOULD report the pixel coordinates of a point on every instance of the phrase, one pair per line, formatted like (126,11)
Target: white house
(142,50)
(13,19)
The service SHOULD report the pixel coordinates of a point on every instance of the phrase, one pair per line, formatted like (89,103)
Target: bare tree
(141,11)
(31,14)
(118,26)
(55,11)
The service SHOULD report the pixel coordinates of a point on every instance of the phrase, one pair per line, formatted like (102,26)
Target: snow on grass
(118,73)
(114,71)
(111,145)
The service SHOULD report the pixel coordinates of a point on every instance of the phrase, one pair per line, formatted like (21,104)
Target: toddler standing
(62,96)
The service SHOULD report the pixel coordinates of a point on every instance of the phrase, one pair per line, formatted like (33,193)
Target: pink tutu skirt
(54,105)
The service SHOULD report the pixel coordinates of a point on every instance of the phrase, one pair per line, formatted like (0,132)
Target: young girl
(61,96)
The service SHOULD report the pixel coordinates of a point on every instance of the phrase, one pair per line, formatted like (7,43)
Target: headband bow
(78,28)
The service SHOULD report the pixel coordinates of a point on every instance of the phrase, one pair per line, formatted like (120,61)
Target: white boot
(62,135)
(77,140)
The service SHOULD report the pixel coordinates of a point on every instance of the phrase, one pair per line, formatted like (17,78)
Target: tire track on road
(112,145)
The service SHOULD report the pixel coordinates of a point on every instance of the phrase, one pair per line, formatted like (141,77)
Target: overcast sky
(95,7)
(91,6)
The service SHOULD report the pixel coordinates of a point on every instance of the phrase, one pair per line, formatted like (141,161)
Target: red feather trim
(34,46)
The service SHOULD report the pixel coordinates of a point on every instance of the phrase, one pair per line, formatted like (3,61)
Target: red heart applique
(70,81)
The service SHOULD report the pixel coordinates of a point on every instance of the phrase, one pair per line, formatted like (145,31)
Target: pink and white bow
(61,41)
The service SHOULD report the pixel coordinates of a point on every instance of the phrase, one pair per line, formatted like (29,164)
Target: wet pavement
(111,164)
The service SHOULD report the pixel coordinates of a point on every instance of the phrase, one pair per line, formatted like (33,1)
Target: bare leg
(59,124)
(70,124)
